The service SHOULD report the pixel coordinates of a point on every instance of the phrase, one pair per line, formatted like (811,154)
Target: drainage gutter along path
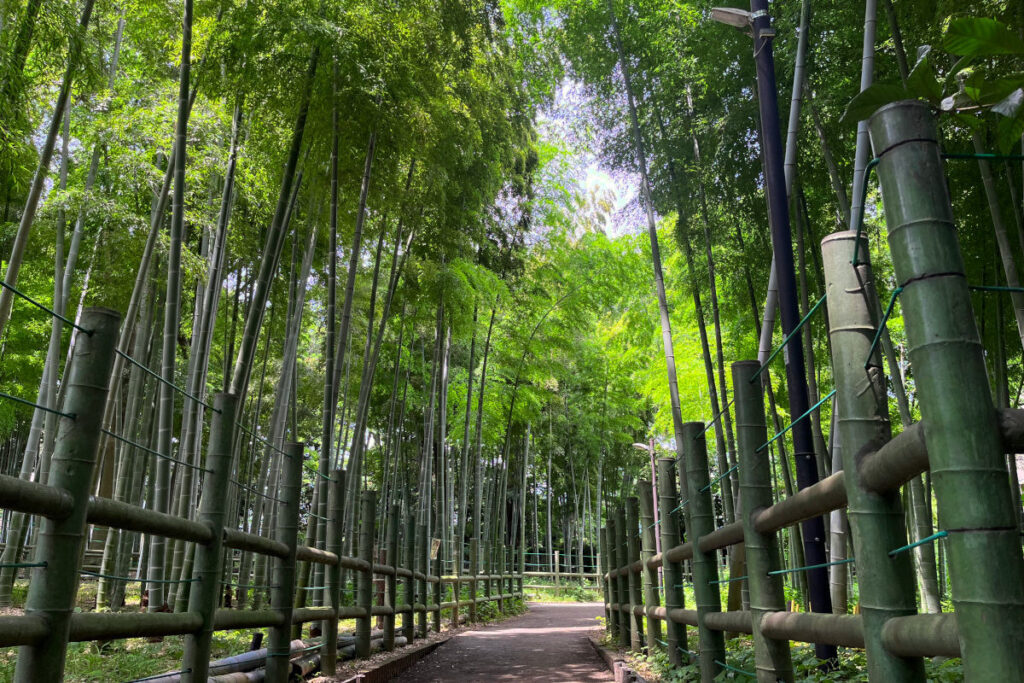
(548,643)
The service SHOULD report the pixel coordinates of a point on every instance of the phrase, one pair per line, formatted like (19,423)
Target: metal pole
(705,568)
(773,660)
(336,506)
(876,519)
(364,579)
(53,588)
(782,243)
(650,576)
(209,559)
(282,591)
(965,454)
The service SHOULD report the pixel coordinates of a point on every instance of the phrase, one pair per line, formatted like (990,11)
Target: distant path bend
(548,643)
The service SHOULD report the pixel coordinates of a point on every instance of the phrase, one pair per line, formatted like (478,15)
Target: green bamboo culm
(209,557)
(672,571)
(53,588)
(649,574)
(282,593)
(391,580)
(705,568)
(621,581)
(636,596)
(876,519)
(610,615)
(614,616)
(408,620)
(364,579)
(772,656)
(965,454)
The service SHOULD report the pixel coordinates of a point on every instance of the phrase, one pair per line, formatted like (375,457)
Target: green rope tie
(881,326)
(792,333)
(959,156)
(927,539)
(716,418)
(70,416)
(252,490)
(810,567)
(995,288)
(172,385)
(128,579)
(732,668)
(41,307)
(259,438)
(794,422)
(21,565)
(129,442)
(679,507)
(727,473)
(738,578)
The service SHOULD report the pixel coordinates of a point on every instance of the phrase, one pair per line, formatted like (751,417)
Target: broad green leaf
(922,82)
(1009,131)
(868,101)
(1010,105)
(981,37)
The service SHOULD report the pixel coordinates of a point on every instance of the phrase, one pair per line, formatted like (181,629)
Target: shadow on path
(548,643)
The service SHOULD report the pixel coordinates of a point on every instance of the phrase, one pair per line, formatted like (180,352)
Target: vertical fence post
(622,590)
(773,659)
(408,617)
(209,557)
(53,588)
(611,551)
(335,506)
(391,581)
(603,570)
(650,574)
(964,447)
(887,589)
(556,567)
(436,589)
(364,579)
(282,590)
(672,572)
(636,597)
(422,552)
(705,568)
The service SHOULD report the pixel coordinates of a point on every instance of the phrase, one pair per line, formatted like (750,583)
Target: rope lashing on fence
(727,473)
(948,156)
(70,416)
(794,422)
(738,578)
(733,668)
(881,325)
(160,379)
(272,447)
(21,565)
(128,579)
(716,418)
(153,678)
(789,337)
(810,567)
(923,541)
(41,307)
(252,490)
(679,507)
(156,453)
(995,288)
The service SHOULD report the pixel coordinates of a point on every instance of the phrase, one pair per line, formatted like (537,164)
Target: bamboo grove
(417,238)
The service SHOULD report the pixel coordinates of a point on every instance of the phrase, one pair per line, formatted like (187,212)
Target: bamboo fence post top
(283,584)
(209,557)
(53,587)
(876,520)
(335,506)
(364,579)
(649,574)
(772,656)
(965,452)
(672,575)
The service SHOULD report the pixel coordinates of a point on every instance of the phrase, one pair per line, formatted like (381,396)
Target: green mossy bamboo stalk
(672,590)
(772,657)
(408,621)
(610,620)
(391,581)
(965,453)
(876,520)
(203,598)
(364,580)
(335,504)
(422,551)
(282,590)
(622,588)
(52,589)
(649,574)
(705,568)
(636,596)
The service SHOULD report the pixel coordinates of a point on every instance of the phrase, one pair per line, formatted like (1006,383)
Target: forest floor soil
(548,643)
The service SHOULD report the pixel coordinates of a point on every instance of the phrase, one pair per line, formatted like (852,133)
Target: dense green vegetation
(410,235)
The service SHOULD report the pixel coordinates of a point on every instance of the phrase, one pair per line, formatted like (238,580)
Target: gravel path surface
(548,643)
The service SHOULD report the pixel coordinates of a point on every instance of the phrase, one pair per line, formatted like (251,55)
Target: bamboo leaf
(868,101)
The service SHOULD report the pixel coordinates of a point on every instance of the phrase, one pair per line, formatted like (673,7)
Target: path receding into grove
(548,643)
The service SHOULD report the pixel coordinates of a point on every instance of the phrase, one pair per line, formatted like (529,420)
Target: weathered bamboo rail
(49,623)
(961,438)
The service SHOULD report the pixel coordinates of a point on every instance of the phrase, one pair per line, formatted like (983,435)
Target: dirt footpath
(548,643)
